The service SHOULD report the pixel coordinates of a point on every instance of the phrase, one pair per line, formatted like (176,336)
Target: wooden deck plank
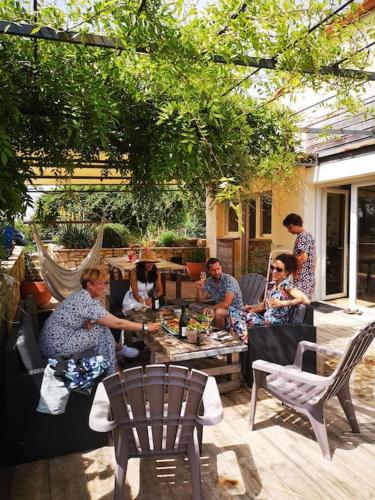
(31,481)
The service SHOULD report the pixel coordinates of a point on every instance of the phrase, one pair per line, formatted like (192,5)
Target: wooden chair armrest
(290,372)
(98,419)
(213,409)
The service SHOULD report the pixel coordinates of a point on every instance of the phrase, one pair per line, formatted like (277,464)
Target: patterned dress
(242,320)
(304,277)
(64,332)
(218,289)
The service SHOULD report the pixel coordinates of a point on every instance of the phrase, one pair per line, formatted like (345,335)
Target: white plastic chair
(155,413)
(307,392)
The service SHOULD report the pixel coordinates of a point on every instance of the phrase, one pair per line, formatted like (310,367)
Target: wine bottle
(155,300)
(184,320)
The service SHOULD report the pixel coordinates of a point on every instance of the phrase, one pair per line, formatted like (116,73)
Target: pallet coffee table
(167,348)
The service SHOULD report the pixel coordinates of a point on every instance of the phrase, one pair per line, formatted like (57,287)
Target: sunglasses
(277,269)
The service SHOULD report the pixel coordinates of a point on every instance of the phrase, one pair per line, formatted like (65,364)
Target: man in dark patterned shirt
(222,288)
(305,253)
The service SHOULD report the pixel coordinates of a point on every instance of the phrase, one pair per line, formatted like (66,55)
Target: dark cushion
(31,314)
(27,344)
(297,315)
(118,289)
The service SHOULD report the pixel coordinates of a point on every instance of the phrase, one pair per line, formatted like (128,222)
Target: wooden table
(163,266)
(167,348)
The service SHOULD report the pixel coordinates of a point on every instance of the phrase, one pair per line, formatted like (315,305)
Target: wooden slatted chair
(155,413)
(252,287)
(307,392)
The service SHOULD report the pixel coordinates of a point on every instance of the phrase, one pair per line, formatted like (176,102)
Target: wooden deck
(279,460)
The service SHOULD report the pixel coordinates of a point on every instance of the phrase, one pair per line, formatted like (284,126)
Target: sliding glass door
(366,245)
(336,275)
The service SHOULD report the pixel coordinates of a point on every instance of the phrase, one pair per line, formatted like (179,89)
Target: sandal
(352,311)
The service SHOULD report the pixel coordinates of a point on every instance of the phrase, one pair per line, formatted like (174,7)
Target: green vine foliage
(172,114)
(142,216)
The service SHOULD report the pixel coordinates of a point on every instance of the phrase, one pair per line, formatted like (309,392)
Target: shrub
(31,271)
(168,239)
(116,236)
(196,254)
(75,236)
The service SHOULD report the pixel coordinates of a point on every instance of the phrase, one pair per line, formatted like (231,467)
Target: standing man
(222,288)
(305,253)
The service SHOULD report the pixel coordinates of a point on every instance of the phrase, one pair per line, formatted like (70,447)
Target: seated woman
(80,323)
(281,295)
(144,280)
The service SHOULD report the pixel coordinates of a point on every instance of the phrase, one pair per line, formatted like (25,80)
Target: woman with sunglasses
(281,296)
(80,323)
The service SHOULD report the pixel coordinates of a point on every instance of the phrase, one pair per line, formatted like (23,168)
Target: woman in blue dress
(80,323)
(281,296)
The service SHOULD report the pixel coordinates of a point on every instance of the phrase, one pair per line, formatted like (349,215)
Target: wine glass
(203,276)
(210,313)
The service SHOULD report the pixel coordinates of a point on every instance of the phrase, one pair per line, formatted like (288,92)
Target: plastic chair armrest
(98,419)
(213,409)
(290,372)
(304,345)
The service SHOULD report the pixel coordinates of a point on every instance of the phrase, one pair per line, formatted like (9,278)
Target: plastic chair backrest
(354,352)
(156,408)
(252,287)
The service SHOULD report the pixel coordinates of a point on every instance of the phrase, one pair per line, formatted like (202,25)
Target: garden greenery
(171,114)
(143,217)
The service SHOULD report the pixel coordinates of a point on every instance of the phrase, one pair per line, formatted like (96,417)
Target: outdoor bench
(28,435)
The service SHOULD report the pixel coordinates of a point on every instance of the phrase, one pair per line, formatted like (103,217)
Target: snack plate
(222,336)
(172,329)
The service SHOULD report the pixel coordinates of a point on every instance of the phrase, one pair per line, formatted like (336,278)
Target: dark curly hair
(140,269)
(289,261)
(294,219)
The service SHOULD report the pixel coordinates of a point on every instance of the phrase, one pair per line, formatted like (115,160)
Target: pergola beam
(339,131)
(91,40)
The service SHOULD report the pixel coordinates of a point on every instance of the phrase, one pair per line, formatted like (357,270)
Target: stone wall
(10,293)
(259,251)
(70,258)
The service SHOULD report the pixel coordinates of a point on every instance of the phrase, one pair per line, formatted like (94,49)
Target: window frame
(259,234)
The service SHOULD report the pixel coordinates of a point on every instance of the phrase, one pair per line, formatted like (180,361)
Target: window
(266,216)
(232,222)
(252,218)
(260,216)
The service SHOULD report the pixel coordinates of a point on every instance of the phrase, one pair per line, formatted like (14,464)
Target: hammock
(60,281)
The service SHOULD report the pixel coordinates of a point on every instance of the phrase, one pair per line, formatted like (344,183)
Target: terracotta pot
(38,289)
(195,268)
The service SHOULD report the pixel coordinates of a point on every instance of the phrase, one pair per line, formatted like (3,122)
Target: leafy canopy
(173,115)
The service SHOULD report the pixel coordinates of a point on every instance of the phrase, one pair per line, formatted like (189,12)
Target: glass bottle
(184,320)
(155,300)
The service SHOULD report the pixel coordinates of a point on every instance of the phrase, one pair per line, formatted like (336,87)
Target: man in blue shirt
(222,289)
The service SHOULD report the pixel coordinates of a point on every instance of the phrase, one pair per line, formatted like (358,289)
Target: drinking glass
(210,313)
(203,275)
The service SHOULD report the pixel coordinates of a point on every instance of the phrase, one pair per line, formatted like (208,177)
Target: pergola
(92,172)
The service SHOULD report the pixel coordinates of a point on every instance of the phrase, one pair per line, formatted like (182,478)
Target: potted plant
(34,285)
(196,262)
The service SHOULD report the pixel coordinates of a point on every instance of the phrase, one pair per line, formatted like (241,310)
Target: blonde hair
(92,275)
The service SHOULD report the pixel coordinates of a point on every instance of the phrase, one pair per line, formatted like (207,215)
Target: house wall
(300,199)
(211,226)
